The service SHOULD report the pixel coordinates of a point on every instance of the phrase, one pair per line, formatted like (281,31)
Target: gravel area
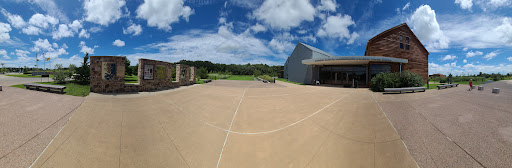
(455,127)
(29,120)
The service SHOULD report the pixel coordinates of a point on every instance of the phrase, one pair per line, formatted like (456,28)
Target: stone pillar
(193,75)
(178,73)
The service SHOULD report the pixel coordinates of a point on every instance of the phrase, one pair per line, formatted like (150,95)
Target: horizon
(255,32)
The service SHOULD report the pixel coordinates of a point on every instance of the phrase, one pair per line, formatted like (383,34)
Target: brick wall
(388,44)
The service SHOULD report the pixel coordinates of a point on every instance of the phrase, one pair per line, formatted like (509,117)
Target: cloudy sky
(462,36)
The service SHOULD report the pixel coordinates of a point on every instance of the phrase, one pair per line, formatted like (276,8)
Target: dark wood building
(400,42)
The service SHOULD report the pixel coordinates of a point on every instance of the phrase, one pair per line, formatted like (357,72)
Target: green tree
(60,74)
(72,68)
(83,72)
(202,73)
(128,71)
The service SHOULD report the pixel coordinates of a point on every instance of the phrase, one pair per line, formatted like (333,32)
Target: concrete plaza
(230,124)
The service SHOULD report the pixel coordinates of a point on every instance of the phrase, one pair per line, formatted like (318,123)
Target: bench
(207,80)
(46,87)
(447,85)
(413,89)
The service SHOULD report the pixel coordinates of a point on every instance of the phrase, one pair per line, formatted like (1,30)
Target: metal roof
(316,50)
(351,60)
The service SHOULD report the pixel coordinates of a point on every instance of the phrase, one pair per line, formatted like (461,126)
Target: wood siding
(388,45)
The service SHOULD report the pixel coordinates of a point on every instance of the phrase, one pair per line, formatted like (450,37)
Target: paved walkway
(29,120)
(454,127)
(6,81)
(230,124)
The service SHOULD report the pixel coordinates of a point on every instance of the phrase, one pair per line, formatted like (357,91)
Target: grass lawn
(200,81)
(475,82)
(432,86)
(286,80)
(240,77)
(217,76)
(230,77)
(131,79)
(28,76)
(72,89)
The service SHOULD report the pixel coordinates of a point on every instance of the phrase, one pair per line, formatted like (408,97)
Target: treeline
(234,69)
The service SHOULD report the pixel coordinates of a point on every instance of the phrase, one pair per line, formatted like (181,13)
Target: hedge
(396,80)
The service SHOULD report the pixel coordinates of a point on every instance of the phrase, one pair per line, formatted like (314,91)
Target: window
(407,47)
(407,39)
(401,45)
(401,37)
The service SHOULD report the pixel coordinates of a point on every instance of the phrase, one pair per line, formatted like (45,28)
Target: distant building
(437,75)
(393,50)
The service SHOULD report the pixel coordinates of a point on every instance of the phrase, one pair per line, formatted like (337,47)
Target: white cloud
(327,5)
(251,4)
(492,4)
(281,46)
(472,54)
(31,30)
(495,33)
(449,57)
(465,49)
(95,29)
(64,46)
(75,26)
(465,61)
(162,13)
(426,28)
(510,59)
(118,43)
(51,8)
(22,53)
(133,29)
(491,55)
(15,20)
(62,32)
(4,31)
(4,54)
(84,34)
(284,14)
(55,45)
(103,12)
(86,49)
(256,29)
(406,6)
(465,4)
(42,21)
(42,45)
(222,46)
(337,27)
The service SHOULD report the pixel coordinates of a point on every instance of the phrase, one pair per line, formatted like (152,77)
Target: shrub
(396,80)
(60,74)
(266,77)
(443,80)
(202,73)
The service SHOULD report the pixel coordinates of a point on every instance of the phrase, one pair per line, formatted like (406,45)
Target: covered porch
(351,71)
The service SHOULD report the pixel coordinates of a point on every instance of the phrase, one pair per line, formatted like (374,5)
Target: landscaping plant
(396,80)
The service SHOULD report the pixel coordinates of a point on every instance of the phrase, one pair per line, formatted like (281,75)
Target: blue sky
(462,36)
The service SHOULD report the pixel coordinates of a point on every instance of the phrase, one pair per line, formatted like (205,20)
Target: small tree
(60,74)
(202,73)
(128,71)
(72,68)
(83,72)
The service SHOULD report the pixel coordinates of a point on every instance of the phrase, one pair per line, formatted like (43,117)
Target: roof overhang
(352,60)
